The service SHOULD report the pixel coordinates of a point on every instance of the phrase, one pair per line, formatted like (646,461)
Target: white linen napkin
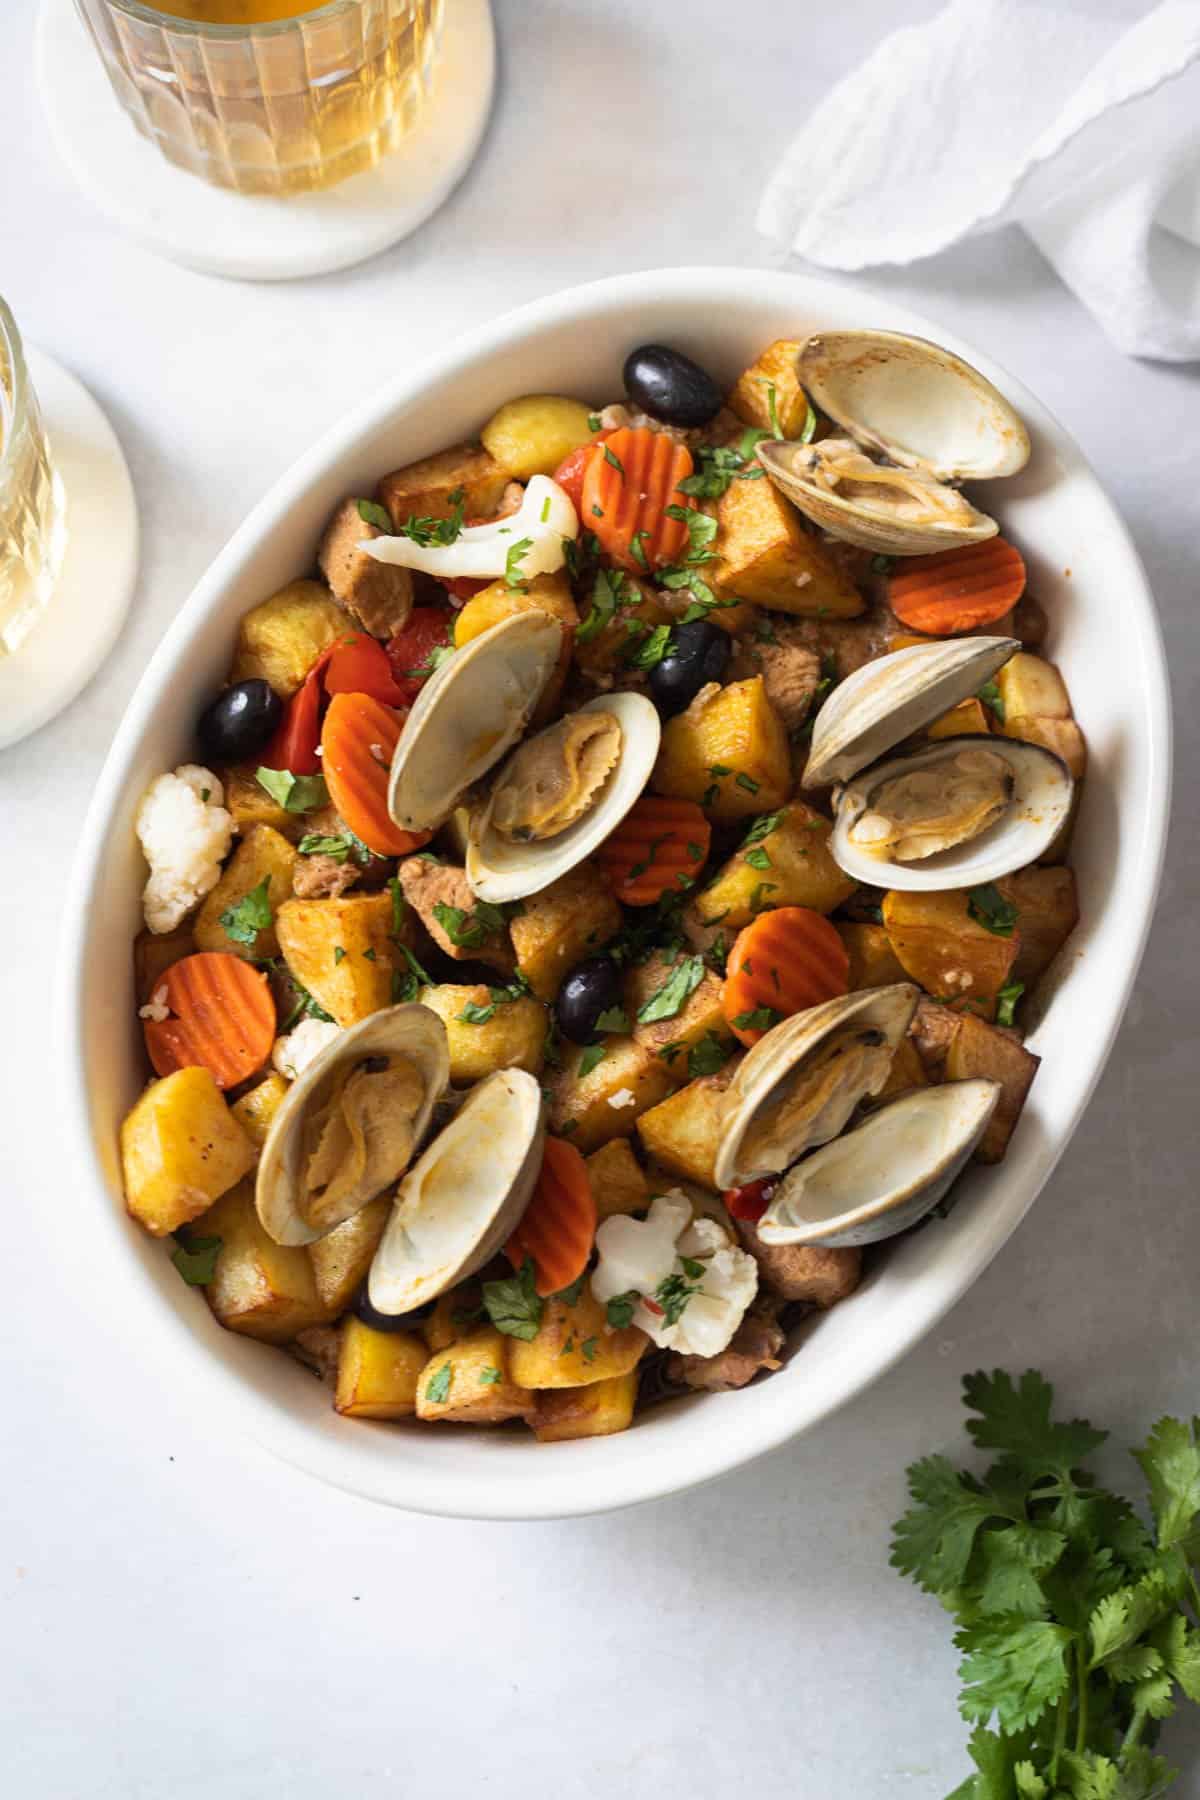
(1084,129)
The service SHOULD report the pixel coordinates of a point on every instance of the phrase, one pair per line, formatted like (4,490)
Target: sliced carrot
(222,1018)
(781,963)
(357,741)
(958,590)
(558,1226)
(659,847)
(629,482)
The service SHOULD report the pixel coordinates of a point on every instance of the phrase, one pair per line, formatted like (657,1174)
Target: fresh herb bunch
(1077,1623)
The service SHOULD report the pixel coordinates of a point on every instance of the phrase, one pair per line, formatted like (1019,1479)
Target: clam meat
(553,778)
(928,808)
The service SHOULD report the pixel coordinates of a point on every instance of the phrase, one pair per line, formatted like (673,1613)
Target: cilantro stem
(1060,1734)
(1195,1593)
(1136,1726)
(1081,1688)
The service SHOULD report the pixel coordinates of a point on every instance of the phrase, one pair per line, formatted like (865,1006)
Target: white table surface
(178,1615)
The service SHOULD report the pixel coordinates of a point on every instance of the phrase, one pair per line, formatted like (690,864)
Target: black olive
(592,988)
(696,654)
(670,386)
(240,721)
(362,1309)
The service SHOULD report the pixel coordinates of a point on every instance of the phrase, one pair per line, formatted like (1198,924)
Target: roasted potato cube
(1048,909)
(340,1260)
(1032,688)
(470,1383)
(873,962)
(773,376)
(455,1315)
(259,1288)
(728,752)
(969,718)
(155,952)
(359,980)
(607,1101)
(788,865)
(572,918)
(767,556)
(978,1048)
(946,951)
(532,435)
(181,1149)
(682,1132)
(262,855)
(281,638)
(575,1345)
(595,1411)
(256,1109)
(512,1036)
(618,1184)
(811,1272)
(380,595)
(377,1372)
(700,1017)
(1062,736)
(545,593)
(249,805)
(422,490)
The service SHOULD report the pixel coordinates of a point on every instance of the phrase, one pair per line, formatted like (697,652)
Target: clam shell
(779,1055)
(886,532)
(500,870)
(886,701)
(412,1031)
(1039,808)
(924,407)
(462,1198)
(887,1173)
(468,714)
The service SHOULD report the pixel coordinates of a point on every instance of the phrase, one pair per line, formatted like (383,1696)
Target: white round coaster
(88,606)
(247,236)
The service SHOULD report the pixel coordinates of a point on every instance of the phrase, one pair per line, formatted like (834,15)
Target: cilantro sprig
(1079,1626)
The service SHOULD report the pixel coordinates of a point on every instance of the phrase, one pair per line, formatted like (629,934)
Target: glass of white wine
(270,96)
(33,517)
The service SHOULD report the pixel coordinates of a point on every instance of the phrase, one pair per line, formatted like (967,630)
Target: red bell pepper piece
(409,653)
(294,745)
(750,1202)
(359,665)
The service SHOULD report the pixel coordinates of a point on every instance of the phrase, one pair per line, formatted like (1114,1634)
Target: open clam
(462,1198)
(350,1123)
(887,1173)
(961,812)
(468,714)
(934,418)
(799,1085)
(560,795)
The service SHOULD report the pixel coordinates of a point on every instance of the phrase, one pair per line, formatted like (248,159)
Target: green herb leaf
(371,513)
(437,1387)
(196,1258)
(339,954)
(702,529)
(673,995)
(1170,1461)
(672,1295)
(466,931)
(621,1308)
(513,578)
(1015,1670)
(1006,1001)
(608,593)
(570,1295)
(773,407)
(992,698)
(427,531)
(295,793)
(613,1019)
(592,1057)
(650,652)
(593,422)
(313,844)
(706,1057)
(758,858)
(252,914)
(747,781)
(762,828)
(761,1019)
(489,1377)
(614,462)
(589,1347)
(513,1305)
(810,425)
(989,908)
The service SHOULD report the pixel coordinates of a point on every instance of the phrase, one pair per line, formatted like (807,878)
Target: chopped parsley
(608,593)
(758,858)
(702,529)
(589,1347)
(513,1305)
(706,1057)
(761,1019)
(810,424)
(614,462)
(339,954)
(721,465)
(621,1308)
(762,828)
(468,931)
(650,652)
(758,896)
(993,699)
(593,1056)
(295,793)
(672,1295)
(428,531)
(673,995)
(1006,1002)
(613,1019)
(252,914)
(570,1295)
(637,550)
(371,513)
(773,408)
(399,904)
(438,1386)
(989,908)
(490,1376)
(513,576)
(196,1258)
(747,781)
(407,987)
(473,1013)
(593,422)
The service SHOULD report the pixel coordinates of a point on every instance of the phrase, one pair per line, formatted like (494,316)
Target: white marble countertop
(180,1615)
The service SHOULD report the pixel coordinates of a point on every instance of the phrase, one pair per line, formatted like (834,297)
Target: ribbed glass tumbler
(282,107)
(33,526)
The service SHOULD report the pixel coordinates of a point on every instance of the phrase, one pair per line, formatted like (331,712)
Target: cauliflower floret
(156,1007)
(693,1284)
(293,1053)
(185,833)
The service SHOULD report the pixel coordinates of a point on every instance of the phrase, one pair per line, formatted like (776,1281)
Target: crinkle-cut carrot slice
(659,847)
(222,1018)
(628,484)
(357,741)
(958,590)
(558,1226)
(782,963)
